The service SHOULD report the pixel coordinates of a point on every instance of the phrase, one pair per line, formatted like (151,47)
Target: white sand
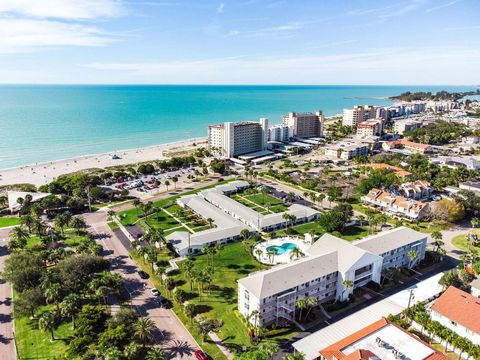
(43,173)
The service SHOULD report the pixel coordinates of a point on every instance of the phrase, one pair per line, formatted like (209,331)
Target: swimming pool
(282,249)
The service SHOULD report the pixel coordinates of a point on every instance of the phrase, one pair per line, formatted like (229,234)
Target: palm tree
(155,353)
(143,329)
(301,304)
(312,302)
(210,222)
(131,351)
(297,356)
(412,256)
(175,180)
(259,253)
(136,203)
(18,238)
(269,347)
(271,255)
(53,294)
(167,184)
(295,253)
(189,310)
(245,234)
(70,306)
(474,222)
(28,221)
(361,219)
(47,322)
(347,284)
(78,223)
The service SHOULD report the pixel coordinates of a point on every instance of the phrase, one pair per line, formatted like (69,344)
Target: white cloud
(279,31)
(20,35)
(390,11)
(448,4)
(380,66)
(26,25)
(220,8)
(62,9)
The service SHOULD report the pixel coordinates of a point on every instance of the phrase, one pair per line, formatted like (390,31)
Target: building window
(453,323)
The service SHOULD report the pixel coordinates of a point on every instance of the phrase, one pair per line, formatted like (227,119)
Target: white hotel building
(232,139)
(330,261)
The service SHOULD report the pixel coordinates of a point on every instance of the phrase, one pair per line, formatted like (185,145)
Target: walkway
(178,220)
(220,345)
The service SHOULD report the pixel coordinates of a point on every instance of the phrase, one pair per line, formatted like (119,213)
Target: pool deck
(283,258)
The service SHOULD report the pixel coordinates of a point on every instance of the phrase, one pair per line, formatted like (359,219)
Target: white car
(155,292)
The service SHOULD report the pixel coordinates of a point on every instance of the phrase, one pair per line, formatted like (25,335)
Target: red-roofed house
(408,145)
(459,311)
(381,340)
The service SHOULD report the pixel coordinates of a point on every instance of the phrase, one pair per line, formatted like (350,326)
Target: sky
(403,42)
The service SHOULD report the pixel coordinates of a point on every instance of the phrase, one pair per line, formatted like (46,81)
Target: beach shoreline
(45,172)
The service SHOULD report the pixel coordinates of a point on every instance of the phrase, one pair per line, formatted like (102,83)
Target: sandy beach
(43,173)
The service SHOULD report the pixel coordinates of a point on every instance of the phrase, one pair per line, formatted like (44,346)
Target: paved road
(7,344)
(171,334)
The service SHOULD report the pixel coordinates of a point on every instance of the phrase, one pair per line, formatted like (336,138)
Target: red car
(200,355)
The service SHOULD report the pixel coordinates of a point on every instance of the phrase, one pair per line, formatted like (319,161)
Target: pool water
(282,249)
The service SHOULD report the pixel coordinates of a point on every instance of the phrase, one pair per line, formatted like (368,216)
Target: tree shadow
(178,349)
(201,308)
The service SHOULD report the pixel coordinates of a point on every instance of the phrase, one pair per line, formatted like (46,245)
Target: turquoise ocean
(40,123)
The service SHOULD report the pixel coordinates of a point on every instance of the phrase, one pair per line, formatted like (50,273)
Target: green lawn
(220,302)
(350,233)
(9,221)
(32,343)
(112,225)
(268,201)
(460,241)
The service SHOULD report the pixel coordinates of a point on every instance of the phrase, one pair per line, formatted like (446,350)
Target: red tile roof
(334,350)
(459,306)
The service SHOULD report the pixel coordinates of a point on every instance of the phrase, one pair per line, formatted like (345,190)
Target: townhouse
(416,190)
(273,293)
(396,205)
(410,146)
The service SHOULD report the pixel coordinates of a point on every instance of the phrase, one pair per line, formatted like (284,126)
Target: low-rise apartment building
(402,126)
(230,218)
(408,145)
(321,274)
(305,125)
(371,127)
(346,150)
(458,311)
(396,205)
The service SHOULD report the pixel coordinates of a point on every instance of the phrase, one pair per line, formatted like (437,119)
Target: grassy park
(9,221)
(461,241)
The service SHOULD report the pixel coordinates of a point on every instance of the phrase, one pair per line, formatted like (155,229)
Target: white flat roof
(312,344)
(395,339)
(255,155)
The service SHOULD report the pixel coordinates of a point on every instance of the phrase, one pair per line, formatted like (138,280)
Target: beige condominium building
(232,139)
(371,127)
(354,116)
(305,124)
(273,293)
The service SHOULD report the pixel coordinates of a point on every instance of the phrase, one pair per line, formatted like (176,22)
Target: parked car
(143,274)
(200,355)
(155,292)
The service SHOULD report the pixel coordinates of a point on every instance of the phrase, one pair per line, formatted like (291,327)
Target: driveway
(171,334)
(7,344)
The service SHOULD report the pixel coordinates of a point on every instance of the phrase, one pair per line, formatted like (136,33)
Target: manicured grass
(112,225)
(220,302)
(33,343)
(9,221)
(355,232)
(461,242)
(268,201)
